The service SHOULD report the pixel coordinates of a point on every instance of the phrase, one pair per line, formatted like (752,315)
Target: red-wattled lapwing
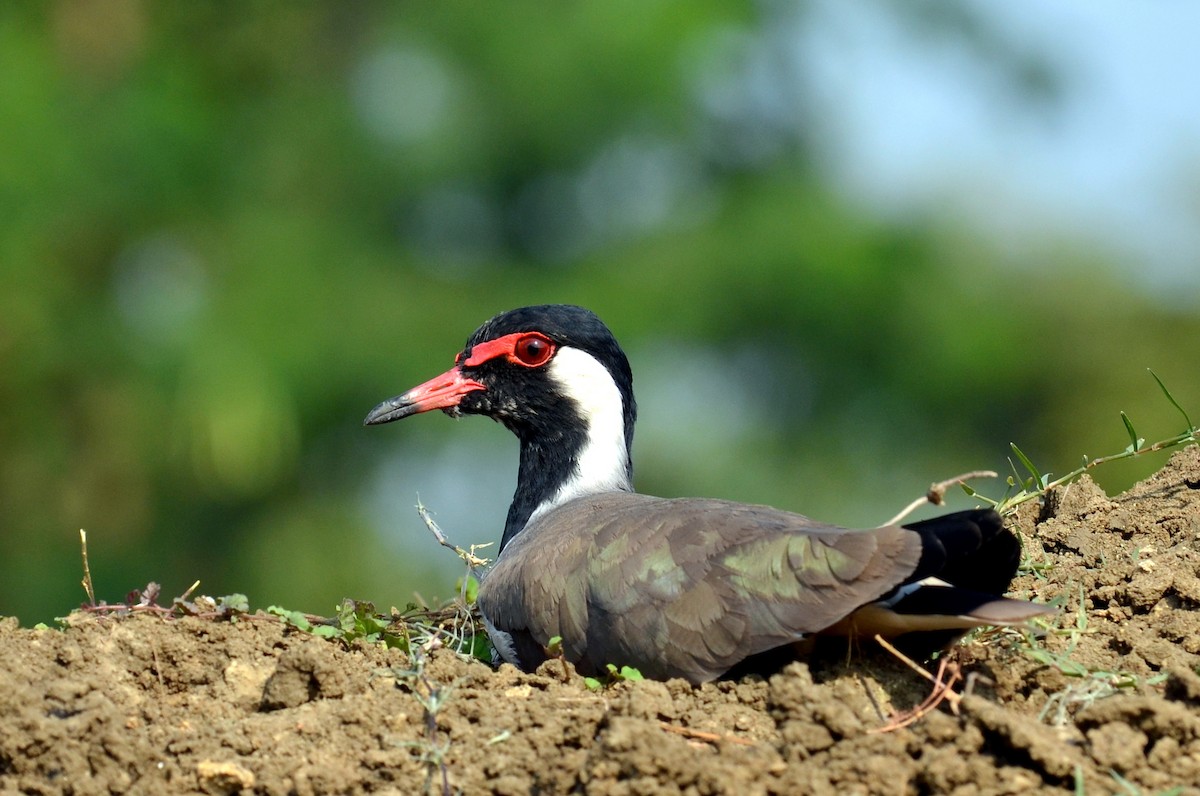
(685,587)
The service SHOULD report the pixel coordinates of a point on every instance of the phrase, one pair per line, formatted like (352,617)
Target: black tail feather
(968,548)
(989,570)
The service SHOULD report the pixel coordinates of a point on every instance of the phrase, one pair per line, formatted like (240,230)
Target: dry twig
(87,571)
(943,690)
(468,556)
(936,495)
(700,735)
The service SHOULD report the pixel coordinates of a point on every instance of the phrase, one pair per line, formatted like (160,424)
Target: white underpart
(603,464)
(904,591)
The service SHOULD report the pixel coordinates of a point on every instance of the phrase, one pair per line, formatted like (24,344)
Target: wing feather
(683,587)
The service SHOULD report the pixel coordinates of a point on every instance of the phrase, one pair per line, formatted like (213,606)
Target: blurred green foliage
(228,230)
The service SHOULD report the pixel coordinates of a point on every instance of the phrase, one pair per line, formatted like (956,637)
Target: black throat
(553,446)
(570,441)
(547,464)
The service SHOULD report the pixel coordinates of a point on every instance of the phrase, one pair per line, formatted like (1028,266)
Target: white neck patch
(603,464)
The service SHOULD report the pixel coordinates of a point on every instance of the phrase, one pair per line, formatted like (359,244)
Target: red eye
(533,350)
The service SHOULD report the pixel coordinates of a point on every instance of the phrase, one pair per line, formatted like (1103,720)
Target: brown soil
(1106,702)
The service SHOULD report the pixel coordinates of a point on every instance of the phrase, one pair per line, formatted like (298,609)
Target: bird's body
(679,587)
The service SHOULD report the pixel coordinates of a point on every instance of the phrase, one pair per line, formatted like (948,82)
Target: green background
(227,230)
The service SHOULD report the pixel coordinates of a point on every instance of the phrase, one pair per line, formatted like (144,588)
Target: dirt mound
(1106,700)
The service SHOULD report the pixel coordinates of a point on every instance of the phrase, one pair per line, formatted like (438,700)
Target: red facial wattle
(526,349)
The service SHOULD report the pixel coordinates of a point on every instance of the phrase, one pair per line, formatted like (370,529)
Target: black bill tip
(389,410)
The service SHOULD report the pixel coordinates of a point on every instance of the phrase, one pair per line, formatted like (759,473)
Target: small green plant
(417,629)
(467,588)
(229,607)
(354,621)
(1130,789)
(614,675)
(432,749)
(1127,787)
(554,649)
(1022,488)
(1090,683)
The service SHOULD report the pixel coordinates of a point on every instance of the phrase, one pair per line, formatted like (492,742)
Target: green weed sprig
(435,746)
(1087,683)
(1037,484)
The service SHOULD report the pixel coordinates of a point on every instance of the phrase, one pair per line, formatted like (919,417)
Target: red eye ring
(532,350)
(527,349)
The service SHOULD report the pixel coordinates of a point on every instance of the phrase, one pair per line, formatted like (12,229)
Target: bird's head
(546,372)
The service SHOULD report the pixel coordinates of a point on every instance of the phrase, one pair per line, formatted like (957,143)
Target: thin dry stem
(87,571)
(936,495)
(700,735)
(870,696)
(943,690)
(468,556)
(910,663)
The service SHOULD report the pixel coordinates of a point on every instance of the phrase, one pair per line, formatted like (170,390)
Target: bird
(692,588)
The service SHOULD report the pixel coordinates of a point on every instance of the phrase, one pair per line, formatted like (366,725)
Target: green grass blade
(1134,442)
(1174,403)
(974,494)
(1015,481)
(1037,476)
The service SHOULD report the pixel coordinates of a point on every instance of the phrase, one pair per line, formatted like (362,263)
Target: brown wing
(683,588)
